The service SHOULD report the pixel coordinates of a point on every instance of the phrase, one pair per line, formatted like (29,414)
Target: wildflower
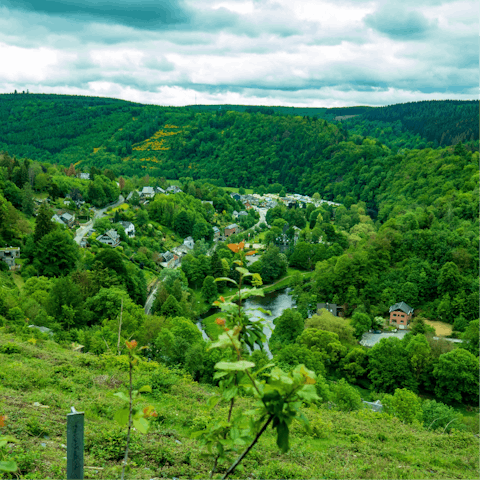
(2,420)
(220,321)
(222,299)
(131,345)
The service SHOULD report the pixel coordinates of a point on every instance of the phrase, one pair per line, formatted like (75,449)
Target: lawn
(441,328)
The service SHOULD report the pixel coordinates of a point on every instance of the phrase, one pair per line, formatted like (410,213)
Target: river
(276,302)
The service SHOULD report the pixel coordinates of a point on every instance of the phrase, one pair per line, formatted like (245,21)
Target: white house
(110,237)
(147,192)
(189,243)
(173,189)
(129,228)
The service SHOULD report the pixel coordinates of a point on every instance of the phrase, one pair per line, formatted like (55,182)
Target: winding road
(81,231)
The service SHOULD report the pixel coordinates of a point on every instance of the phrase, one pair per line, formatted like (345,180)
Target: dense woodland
(406,230)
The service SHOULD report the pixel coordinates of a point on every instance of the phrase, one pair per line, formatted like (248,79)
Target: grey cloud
(143,14)
(398,23)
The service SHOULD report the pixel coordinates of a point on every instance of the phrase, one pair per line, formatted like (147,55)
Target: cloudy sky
(262,52)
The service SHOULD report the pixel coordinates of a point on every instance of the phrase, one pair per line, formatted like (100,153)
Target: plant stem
(242,456)
(129,416)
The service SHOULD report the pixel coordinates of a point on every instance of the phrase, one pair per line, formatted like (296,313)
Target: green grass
(358,445)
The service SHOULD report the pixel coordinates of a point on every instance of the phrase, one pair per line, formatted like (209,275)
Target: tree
(346,397)
(288,326)
(437,415)
(209,289)
(121,183)
(325,320)
(65,303)
(404,405)
(471,337)
(182,224)
(43,222)
(361,322)
(449,279)
(420,355)
(389,367)
(56,254)
(355,364)
(28,205)
(171,308)
(457,377)
(135,199)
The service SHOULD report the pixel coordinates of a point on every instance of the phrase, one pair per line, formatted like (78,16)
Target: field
(441,328)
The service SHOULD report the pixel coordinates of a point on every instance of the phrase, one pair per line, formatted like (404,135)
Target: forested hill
(258,146)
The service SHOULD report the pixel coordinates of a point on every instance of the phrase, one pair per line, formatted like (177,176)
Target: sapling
(279,395)
(133,416)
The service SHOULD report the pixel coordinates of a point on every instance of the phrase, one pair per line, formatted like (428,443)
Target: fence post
(75,443)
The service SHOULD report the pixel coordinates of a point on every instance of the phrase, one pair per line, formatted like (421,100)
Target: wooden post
(75,444)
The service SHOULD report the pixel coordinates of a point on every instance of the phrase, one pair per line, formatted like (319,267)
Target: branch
(242,456)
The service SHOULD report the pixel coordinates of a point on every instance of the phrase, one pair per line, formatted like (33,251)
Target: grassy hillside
(342,445)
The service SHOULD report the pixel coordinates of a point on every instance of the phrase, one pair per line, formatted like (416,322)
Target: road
(150,300)
(81,231)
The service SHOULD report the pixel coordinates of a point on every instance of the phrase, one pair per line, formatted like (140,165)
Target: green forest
(393,217)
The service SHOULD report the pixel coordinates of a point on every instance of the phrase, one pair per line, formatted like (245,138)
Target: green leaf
(219,375)
(241,365)
(8,466)
(141,425)
(243,271)
(226,279)
(282,437)
(146,389)
(122,396)
(266,312)
(212,402)
(308,393)
(121,416)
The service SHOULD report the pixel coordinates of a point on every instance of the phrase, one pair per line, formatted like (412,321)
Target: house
(147,192)
(67,218)
(56,218)
(173,189)
(189,243)
(231,229)
(129,228)
(168,260)
(83,243)
(243,214)
(332,308)
(400,315)
(216,233)
(8,255)
(236,196)
(235,214)
(110,237)
(160,190)
(247,205)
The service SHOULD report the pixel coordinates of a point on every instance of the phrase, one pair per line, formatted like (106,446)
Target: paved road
(80,233)
(150,300)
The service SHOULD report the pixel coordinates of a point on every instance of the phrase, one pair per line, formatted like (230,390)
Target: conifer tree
(43,223)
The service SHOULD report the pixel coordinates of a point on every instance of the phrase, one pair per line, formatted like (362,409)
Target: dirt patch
(107,381)
(441,328)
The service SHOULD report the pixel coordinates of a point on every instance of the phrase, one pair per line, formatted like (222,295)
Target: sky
(309,53)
